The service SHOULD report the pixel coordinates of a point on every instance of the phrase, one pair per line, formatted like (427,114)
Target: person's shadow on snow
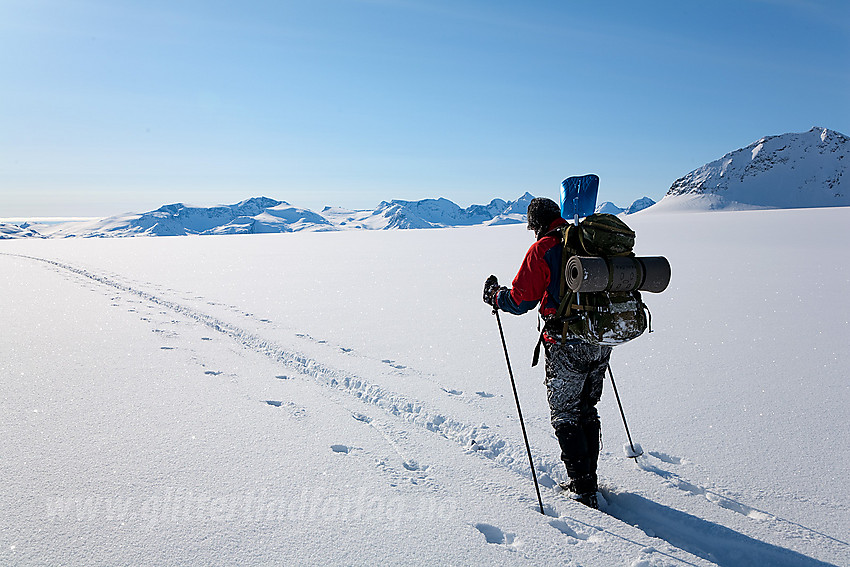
(705,539)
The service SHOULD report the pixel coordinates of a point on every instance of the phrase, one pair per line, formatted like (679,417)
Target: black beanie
(541,213)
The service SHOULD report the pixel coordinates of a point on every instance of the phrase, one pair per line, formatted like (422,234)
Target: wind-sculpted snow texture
(232,401)
(808,169)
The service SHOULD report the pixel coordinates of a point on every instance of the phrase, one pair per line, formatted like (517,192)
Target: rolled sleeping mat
(587,273)
(618,273)
(656,273)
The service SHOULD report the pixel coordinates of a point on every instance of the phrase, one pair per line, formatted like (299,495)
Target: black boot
(580,451)
(584,490)
(574,450)
(593,439)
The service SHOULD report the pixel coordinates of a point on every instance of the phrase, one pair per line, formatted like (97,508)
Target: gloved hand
(491,292)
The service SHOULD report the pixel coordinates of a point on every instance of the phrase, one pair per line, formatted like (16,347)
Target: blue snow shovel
(578,196)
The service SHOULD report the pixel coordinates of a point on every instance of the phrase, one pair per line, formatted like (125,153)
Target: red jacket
(539,277)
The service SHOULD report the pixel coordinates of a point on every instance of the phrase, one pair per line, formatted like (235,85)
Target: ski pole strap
(562,314)
(549,325)
(536,358)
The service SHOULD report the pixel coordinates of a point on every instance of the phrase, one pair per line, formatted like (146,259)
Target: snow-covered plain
(342,398)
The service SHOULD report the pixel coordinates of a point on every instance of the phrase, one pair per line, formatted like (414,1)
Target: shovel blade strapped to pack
(601,282)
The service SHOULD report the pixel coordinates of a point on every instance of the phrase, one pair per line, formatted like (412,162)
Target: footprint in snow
(453,392)
(344,449)
(282,377)
(485,394)
(496,536)
(168,348)
(343,349)
(293,410)
(565,529)
(212,373)
(666,458)
(206,339)
(361,417)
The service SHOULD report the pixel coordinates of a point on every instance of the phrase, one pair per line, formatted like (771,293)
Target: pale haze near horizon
(110,108)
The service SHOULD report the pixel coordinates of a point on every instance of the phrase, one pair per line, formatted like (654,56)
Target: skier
(574,369)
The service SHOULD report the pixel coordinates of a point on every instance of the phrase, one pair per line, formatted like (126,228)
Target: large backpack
(606,318)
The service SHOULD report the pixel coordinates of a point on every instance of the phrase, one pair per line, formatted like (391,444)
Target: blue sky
(110,106)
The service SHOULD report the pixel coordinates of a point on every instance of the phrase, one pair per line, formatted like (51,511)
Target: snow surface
(341,398)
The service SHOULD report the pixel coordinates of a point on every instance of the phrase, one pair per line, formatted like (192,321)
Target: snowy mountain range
(430,213)
(796,170)
(787,171)
(10,230)
(265,215)
(612,209)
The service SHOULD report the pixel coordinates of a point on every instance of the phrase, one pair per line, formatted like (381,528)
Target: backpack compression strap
(564,302)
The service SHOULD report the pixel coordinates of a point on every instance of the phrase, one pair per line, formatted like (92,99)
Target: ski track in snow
(680,530)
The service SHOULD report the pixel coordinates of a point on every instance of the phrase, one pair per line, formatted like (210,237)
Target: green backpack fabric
(602,234)
(602,317)
(606,318)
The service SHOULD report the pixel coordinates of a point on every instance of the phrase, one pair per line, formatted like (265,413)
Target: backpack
(607,318)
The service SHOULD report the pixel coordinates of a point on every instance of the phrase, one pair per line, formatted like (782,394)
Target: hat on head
(541,212)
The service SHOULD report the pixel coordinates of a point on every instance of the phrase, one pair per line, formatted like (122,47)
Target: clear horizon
(111,108)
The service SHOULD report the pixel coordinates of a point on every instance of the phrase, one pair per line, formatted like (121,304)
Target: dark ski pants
(574,377)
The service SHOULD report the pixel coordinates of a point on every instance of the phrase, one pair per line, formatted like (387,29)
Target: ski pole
(519,412)
(635,452)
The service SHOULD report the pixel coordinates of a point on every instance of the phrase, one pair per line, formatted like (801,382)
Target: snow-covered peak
(609,208)
(636,206)
(639,205)
(520,206)
(9,231)
(254,215)
(259,202)
(436,213)
(794,170)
